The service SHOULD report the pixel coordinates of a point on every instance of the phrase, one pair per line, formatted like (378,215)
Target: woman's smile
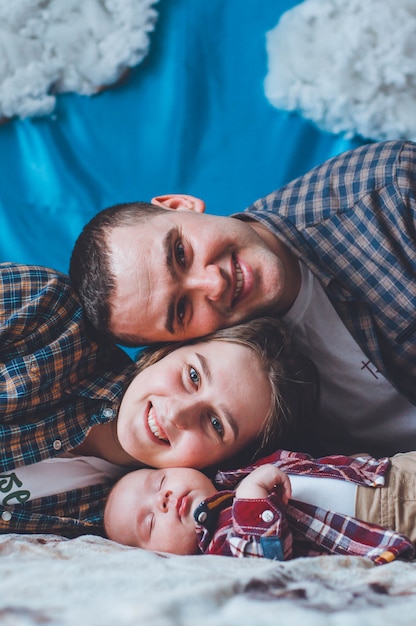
(155,427)
(200,404)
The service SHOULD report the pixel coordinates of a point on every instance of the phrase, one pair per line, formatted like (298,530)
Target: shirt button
(57,444)
(6,516)
(202,517)
(267,516)
(108,412)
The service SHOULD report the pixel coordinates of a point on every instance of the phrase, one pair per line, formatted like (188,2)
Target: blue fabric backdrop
(192,118)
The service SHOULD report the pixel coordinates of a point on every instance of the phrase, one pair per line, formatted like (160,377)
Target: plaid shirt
(266,528)
(352,222)
(55,384)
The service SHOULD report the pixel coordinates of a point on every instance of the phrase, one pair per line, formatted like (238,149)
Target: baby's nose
(166,500)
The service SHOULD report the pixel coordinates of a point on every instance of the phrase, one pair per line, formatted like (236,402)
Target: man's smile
(243,281)
(238,280)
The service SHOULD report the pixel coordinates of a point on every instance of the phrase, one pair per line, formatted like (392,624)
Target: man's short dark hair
(90,270)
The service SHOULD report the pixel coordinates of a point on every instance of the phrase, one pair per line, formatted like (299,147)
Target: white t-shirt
(53,476)
(328,493)
(357,403)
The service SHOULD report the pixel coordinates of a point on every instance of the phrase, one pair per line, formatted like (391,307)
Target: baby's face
(153,509)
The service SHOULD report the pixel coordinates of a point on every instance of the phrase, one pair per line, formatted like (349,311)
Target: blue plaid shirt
(55,384)
(352,222)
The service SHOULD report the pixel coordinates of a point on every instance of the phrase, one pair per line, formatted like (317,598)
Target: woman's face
(199,405)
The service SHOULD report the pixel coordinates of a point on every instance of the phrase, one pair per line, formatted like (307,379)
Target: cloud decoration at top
(55,46)
(348,66)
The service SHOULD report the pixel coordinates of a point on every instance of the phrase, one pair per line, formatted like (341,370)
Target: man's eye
(194,376)
(181,310)
(216,424)
(180,254)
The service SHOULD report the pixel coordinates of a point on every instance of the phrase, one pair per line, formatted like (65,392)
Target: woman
(66,436)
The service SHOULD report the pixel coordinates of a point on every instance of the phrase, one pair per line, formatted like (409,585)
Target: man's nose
(209,280)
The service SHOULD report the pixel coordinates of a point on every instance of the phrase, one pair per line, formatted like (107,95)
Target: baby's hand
(261,481)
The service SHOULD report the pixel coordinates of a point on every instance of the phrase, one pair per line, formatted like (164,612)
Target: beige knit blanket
(91,581)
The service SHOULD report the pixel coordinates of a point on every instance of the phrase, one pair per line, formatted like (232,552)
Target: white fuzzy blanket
(92,581)
(54,46)
(348,65)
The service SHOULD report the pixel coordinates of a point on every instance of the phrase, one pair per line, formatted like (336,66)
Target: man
(333,252)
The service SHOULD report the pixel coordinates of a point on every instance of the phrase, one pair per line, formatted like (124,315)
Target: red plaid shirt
(265,528)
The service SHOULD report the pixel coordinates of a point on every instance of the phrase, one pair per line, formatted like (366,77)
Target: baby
(179,510)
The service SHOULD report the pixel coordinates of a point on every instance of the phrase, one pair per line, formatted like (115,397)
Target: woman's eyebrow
(204,366)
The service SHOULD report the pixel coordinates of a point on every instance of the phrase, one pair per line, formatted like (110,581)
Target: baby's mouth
(155,428)
(182,506)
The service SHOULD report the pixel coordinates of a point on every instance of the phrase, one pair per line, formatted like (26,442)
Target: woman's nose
(182,412)
(180,419)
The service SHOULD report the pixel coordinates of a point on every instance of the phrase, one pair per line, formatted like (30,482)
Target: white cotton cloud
(349,66)
(54,46)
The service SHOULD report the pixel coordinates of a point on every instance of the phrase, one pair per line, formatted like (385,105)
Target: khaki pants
(394,505)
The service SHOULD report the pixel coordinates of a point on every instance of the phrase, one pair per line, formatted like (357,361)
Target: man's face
(153,509)
(183,274)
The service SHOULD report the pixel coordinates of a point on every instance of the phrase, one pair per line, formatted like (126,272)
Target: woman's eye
(180,254)
(216,423)
(194,376)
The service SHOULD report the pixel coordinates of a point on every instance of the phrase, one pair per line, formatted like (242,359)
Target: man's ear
(180,202)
